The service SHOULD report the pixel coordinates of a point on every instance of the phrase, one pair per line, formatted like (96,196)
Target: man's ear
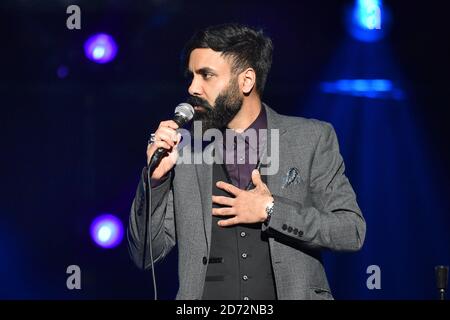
(247,80)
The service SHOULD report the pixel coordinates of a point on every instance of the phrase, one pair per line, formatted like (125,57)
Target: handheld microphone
(184,113)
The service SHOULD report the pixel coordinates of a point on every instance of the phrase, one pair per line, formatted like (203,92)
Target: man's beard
(226,106)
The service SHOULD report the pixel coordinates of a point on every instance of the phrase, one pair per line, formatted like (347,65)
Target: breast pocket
(296,192)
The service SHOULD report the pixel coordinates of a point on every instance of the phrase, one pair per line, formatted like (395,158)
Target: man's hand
(165,137)
(247,206)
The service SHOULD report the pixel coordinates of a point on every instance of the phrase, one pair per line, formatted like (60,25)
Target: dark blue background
(73,148)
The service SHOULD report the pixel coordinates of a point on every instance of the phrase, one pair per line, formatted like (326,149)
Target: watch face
(269,209)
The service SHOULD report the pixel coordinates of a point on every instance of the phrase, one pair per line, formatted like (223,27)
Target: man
(242,234)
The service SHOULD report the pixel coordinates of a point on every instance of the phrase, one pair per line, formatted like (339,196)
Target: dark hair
(245,46)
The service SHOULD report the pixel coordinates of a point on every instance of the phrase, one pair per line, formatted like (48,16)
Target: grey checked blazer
(315,209)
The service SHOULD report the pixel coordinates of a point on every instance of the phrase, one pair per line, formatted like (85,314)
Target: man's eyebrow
(205,70)
(202,71)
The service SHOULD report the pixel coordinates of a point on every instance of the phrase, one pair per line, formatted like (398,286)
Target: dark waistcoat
(239,263)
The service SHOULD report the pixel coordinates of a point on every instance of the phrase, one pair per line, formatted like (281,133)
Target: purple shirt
(242,150)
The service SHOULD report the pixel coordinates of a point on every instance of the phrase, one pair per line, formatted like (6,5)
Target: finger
(166,137)
(227,201)
(228,222)
(223,212)
(256,178)
(228,187)
(159,144)
(169,123)
(151,149)
(171,133)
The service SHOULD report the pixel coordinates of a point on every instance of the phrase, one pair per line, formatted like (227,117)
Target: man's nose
(195,88)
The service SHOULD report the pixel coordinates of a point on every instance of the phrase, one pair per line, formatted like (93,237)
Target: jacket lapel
(204,177)
(274,122)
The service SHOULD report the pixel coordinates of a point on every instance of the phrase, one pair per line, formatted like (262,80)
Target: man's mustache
(199,102)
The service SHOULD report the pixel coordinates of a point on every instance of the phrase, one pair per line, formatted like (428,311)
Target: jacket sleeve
(334,220)
(161,223)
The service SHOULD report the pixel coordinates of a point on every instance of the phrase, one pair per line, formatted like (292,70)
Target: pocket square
(292,177)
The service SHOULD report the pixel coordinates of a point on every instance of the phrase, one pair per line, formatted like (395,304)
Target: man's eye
(207,76)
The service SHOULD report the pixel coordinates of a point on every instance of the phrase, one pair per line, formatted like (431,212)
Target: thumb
(256,178)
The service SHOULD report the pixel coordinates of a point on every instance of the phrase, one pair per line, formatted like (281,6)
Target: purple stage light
(100,48)
(107,231)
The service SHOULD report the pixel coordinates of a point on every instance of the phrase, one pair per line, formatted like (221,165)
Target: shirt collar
(259,123)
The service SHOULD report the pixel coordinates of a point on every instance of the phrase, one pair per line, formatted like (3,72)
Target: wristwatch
(269,211)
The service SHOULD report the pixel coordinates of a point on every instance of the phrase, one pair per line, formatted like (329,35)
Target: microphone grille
(185,110)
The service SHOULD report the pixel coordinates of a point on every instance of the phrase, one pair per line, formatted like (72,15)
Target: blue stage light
(62,71)
(368,88)
(368,14)
(367,20)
